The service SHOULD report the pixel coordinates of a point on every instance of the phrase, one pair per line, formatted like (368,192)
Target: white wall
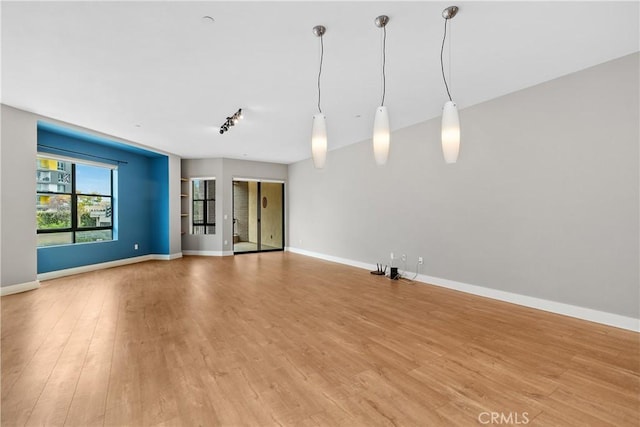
(543,201)
(225,170)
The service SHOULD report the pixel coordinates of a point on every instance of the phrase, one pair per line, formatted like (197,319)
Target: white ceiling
(156,74)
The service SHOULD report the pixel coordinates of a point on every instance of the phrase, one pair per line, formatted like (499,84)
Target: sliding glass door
(258,216)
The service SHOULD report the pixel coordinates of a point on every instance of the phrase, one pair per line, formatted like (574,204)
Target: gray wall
(175,241)
(18,169)
(543,201)
(18,240)
(225,170)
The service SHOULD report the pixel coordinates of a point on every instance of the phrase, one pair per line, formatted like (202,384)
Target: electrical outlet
(135,246)
(404,257)
(391,255)
(420,260)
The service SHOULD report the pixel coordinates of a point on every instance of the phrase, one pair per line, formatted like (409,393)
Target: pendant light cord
(384,63)
(320,71)
(442,62)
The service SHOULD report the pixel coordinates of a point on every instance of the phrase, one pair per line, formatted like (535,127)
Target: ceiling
(157,74)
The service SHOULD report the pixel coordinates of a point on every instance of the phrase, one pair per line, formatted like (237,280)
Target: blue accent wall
(141,200)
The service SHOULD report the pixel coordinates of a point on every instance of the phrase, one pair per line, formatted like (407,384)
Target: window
(203,212)
(77,205)
(44,176)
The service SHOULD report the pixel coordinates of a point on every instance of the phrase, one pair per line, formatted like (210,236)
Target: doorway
(258,216)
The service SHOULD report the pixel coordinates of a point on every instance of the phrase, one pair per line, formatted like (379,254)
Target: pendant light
(319,128)
(381,133)
(450,120)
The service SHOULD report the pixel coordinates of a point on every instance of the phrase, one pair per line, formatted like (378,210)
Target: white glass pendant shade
(381,135)
(450,132)
(319,141)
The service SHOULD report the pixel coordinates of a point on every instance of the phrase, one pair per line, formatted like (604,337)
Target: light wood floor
(282,339)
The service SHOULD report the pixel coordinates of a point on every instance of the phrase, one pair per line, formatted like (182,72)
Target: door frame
(259,181)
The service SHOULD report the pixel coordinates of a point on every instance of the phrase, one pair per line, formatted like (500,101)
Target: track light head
(231,121)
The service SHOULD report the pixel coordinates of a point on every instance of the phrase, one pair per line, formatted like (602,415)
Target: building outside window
(74,201)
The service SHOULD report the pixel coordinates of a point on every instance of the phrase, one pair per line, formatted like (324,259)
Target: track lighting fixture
(450,119)
(381,132)
(319,128)
(231,121)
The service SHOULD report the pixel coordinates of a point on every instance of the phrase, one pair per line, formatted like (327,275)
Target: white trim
(207,253)
(166,257)
(93,267)
(45,155)
(331,258)
(274,181)
(48,121)
(20,287)
(583,313)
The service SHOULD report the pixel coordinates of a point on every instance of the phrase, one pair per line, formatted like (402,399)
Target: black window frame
(205,224)
(74,205)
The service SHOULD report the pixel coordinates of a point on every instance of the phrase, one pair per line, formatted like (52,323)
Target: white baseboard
(93,267)
(332,258)
(583,313)
(20,287)
(208,253)
(167,257)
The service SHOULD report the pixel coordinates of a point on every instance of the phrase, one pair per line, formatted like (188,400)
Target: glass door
(258,216)
(271,216)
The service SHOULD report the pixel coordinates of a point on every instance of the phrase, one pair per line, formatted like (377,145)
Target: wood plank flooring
(279,339)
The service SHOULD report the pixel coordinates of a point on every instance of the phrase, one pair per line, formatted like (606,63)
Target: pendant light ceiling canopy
(450,12)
